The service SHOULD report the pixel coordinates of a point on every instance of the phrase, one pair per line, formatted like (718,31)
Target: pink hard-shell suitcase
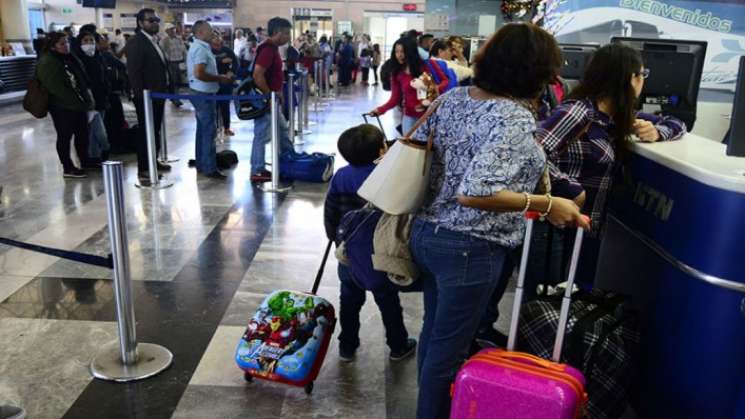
(505,384)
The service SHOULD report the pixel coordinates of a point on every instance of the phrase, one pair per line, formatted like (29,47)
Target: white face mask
(89,49)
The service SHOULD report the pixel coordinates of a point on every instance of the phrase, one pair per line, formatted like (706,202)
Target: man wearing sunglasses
(147,68)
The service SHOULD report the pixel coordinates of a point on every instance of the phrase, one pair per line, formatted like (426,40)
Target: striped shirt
(588,164)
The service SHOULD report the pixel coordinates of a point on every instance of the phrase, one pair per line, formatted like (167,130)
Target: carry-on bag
(287,339)
(400,182)
(603,341)
(226,159)
(505,384)
(306,167)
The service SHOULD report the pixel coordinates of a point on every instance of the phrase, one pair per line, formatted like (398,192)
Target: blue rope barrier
(95,260)
(215,98)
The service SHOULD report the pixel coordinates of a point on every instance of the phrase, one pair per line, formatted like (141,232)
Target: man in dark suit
(147,69)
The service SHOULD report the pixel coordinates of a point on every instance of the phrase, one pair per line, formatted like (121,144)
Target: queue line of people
(492,148)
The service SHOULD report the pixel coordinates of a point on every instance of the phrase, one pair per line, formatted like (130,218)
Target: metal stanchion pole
(152,163)
(164,144)
(316,80)
(275,185)
(291,107)
(301,110)
(306,94)
(125,360)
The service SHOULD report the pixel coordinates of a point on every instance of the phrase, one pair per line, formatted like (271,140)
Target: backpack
(226,159)
(304,167)
(36,100)
(449,73)
(251,108)
(355,235)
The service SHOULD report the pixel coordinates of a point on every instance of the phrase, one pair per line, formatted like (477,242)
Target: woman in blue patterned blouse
(584,136)
(485,168)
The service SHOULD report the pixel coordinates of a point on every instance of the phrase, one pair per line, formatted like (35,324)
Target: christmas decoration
(520,10)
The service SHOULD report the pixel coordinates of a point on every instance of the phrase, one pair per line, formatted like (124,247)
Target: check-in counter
(675,241)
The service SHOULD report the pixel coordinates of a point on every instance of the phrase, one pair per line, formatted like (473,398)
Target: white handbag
(400,182)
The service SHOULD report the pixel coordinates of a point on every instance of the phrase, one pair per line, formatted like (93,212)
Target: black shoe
(262,176)
(345,355)
(491,338)
(192,163)
(177,103)
(163,167)
(406,352)
(74,173)
(216,175)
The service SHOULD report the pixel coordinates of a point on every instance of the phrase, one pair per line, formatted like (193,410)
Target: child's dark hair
(361,145)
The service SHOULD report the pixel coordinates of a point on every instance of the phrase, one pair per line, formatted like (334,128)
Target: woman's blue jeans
(459,274)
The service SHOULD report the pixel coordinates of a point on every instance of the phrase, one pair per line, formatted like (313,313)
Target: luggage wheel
(309,388)
(248,377)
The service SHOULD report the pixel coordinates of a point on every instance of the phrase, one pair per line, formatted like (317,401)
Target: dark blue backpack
(356,231)
(305,167)
(452,77)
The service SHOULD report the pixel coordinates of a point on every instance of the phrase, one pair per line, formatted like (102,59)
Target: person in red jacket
(407,66)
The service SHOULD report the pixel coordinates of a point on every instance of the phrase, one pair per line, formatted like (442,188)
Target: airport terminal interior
(102,264)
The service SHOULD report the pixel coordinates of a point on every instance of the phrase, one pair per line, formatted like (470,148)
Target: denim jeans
(352,298)
(459,273)
(263,135)
(206,114)
(407,122)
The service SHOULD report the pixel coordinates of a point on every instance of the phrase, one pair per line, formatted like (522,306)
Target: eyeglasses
(644,73)
(153,19)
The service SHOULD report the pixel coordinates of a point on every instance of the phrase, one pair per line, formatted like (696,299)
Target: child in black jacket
(361,146)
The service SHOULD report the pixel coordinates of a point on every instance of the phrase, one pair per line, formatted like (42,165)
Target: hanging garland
(518,9)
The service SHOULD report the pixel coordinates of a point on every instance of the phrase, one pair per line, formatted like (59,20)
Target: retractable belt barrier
(210,98)
(95,260)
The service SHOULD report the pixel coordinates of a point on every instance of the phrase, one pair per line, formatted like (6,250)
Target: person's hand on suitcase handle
(560,217)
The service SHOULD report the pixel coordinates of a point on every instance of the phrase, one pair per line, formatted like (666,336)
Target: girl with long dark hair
(70,99)
(584,137)
(406,65)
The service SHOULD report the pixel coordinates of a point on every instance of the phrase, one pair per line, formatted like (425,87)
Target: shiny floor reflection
(204,253)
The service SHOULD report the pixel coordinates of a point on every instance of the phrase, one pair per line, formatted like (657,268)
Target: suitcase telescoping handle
(566,300)
(380,124)
(319,275)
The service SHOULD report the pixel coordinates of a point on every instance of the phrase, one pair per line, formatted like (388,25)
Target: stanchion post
(300,140)
(306,92)
(164,144)
(275,185)
(152,163)
(125,360)
(317,77)
(291,106)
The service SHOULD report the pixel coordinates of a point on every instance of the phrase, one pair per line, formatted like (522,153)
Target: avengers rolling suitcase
(287,339)
(505,384)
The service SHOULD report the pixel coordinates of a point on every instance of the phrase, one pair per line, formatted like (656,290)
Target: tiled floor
(203,255)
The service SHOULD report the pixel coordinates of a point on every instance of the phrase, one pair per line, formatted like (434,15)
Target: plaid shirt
(588,164)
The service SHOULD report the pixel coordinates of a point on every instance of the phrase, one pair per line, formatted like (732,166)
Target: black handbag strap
(319,275)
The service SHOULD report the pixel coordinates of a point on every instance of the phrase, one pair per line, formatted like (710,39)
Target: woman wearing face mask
(95,68)
(64,78)
(584,136)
